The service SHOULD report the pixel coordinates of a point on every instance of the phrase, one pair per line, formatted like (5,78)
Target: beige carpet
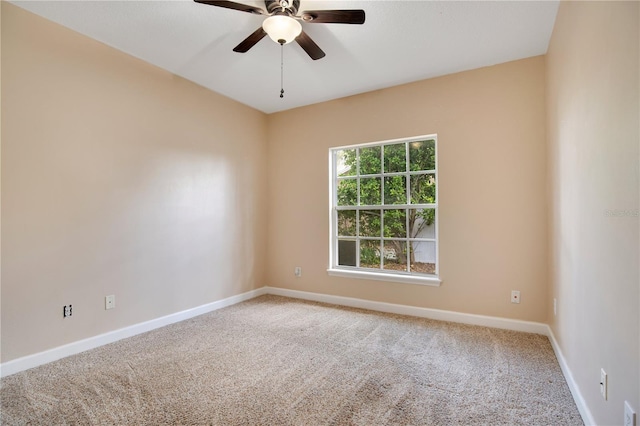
(280,361)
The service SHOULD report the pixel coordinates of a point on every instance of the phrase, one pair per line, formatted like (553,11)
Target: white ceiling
(400,42)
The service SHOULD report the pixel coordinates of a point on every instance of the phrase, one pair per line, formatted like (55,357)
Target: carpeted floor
(280,361)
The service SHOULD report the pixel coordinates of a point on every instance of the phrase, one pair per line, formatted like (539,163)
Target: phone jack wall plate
(110,302)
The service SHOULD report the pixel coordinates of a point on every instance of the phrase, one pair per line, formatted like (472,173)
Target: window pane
(370,192)
(379,191)
(346,164)
(347,252)
(370,223)
(370,161)
(422,155)
(395,256)
(395,158)
(423,189)
(395,223)
(347,192)
(370,254)
(423,257)
(422,223)
(346,223)
(395,190)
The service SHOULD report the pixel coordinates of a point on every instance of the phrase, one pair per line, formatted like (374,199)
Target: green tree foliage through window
(387,196)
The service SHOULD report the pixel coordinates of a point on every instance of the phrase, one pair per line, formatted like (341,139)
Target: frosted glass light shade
(282,29)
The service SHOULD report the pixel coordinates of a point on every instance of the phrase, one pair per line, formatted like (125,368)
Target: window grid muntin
(408,173)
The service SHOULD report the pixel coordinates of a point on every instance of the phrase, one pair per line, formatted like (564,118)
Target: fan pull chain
(282,70)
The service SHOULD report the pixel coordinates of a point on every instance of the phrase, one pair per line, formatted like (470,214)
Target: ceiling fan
(283,26)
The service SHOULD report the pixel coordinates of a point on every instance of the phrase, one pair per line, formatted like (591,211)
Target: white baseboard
(30,361)
(459,317)
(436,314)
(587,418)
(27,362)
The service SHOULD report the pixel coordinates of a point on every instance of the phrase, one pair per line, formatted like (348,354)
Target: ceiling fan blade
(250,41)
(310,46)
(233,5)
(333,16)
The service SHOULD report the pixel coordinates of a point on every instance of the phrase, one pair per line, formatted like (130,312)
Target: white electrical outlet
(603,383)
(110,302)
(629,415)
(298,271)
(515,296)
(555,306)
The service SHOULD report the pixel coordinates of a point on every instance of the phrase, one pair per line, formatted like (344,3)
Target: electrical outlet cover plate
(515,296)
(629,415)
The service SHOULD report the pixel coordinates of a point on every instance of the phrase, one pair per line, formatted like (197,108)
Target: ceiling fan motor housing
(274,6)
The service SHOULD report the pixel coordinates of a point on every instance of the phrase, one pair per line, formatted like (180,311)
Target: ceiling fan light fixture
(281,28)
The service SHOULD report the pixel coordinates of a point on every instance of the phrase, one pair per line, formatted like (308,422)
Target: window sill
(429,280)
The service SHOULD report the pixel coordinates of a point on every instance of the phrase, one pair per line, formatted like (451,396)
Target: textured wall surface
(118,178)
(492,188)
(593,108)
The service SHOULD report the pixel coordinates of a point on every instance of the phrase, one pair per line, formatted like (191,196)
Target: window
(384,211)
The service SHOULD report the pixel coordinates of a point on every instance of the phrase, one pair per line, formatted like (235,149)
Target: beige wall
(118,178)
(593,115)
(492,169)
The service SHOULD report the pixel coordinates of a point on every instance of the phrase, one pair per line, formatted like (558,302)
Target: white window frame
(382,274)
